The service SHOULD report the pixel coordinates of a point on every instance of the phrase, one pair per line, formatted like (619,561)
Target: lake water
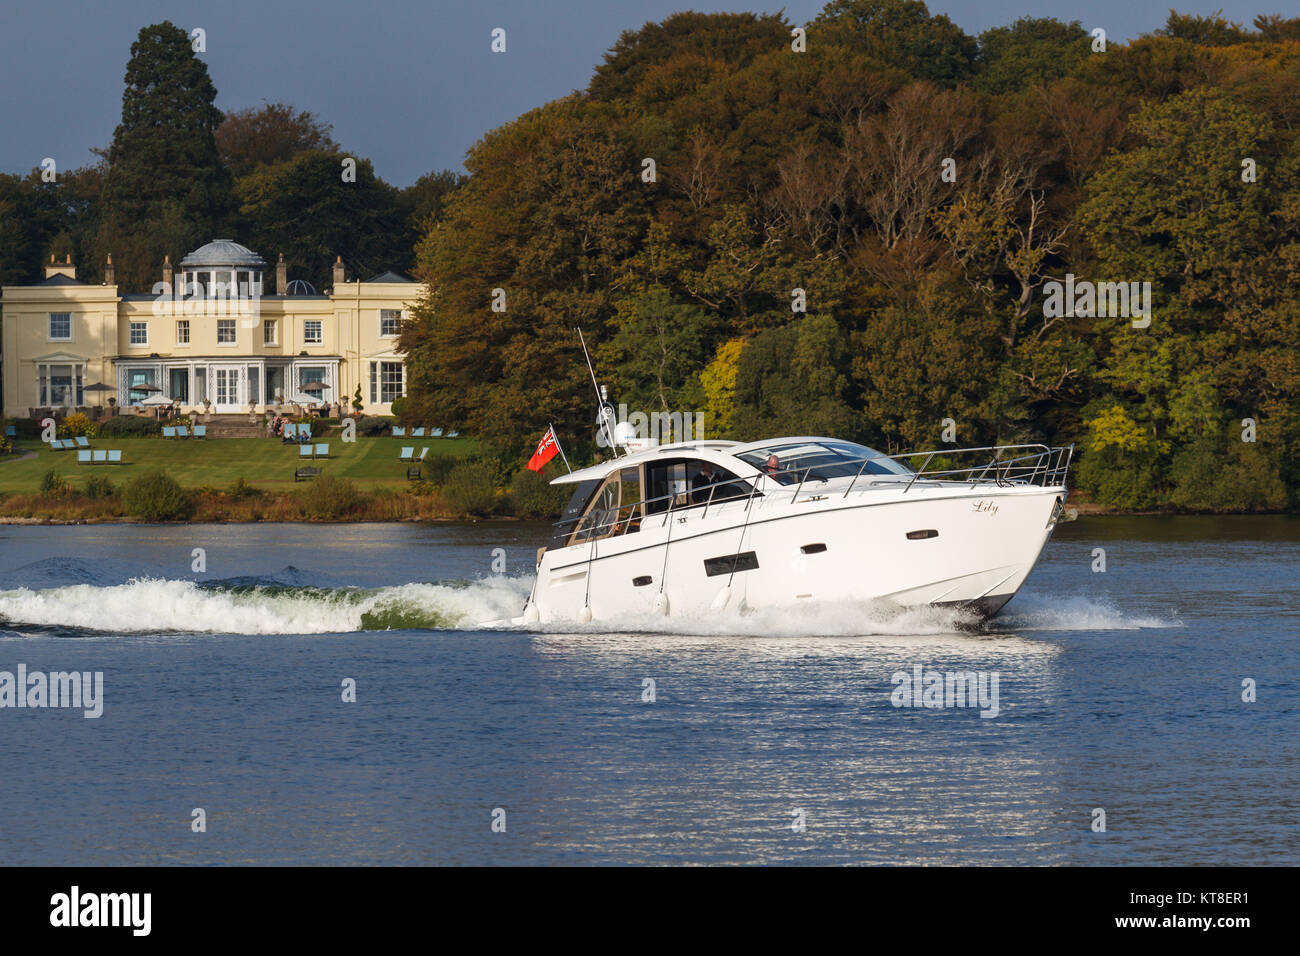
(222,690)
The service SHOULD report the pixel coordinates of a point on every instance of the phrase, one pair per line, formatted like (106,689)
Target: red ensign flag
(546,450)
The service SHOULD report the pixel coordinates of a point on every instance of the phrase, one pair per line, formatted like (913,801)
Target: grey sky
(409,85)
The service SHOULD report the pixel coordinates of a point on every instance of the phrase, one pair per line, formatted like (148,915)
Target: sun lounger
(83,456)
(99,457)
(82,441)
(399,432)
(200,431)
(408,453)
(424,453)
(115,456)
(182,431)
(436,433)
(322,449)
(304,451)
(169,431)
(417,432)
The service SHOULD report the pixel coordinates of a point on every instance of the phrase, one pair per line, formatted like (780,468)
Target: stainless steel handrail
(1042,465)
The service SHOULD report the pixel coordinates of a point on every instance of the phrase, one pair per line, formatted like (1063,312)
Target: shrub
(435,470)
(1216,475)
(376,426)
(1120,479)
(157,497)
(129,426)
(53,485)
(76,424)
(421,488)
(98,486)
(6,445)
(399,406)
(471,487)
(241,489)
(531,496)
(329,497)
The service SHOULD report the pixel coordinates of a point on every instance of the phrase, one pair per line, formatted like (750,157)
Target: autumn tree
(272,133)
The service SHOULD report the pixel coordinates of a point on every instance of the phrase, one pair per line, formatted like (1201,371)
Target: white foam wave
(1077,613)
(157,605)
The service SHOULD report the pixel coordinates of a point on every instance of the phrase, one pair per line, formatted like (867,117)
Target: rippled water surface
(1120,691)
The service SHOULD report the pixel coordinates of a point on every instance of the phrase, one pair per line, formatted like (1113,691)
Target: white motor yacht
(696,527)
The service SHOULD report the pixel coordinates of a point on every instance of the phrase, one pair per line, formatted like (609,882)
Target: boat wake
(154,605)
(271,606)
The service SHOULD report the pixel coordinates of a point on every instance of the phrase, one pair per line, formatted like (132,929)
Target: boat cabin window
(684,482)
(572,513)
(616,508)
(788,464)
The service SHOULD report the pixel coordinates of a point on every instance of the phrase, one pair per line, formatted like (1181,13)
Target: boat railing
(1002,466)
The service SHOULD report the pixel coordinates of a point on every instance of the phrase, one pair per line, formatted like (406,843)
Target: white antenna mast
(600,398)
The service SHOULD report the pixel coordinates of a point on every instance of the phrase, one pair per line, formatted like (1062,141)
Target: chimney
(339,277)
(110,275)
(167,270)
(65,268)
(281,276)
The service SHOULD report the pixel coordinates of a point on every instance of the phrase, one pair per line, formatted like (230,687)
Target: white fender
(531,614)
(584,616)
(661,604)
(722,598)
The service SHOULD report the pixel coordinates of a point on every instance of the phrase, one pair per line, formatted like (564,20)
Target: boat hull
(934,545)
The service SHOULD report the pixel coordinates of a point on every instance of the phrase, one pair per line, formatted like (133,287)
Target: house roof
(60,279)
(223,252)
(389,276)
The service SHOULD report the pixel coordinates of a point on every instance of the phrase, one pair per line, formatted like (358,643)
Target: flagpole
(558,446)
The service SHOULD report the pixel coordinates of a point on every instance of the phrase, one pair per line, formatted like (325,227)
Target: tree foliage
(165,187)
(858,239)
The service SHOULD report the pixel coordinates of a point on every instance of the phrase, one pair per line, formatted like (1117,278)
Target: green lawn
(217,462)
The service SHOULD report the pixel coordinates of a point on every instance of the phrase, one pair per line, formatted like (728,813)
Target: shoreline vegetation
(222,507)
(255,479)
(170,481)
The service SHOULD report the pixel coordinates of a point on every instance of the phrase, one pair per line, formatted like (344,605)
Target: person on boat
(702,483)
(773,466)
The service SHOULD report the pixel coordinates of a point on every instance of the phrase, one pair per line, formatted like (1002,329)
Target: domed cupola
(300,287)
(222,263)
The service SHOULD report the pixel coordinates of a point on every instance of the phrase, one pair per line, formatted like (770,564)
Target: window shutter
(374,384)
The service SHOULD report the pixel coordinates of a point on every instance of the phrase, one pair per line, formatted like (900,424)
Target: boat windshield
(788,463)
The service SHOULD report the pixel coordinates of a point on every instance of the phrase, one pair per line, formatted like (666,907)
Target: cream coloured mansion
(206,332)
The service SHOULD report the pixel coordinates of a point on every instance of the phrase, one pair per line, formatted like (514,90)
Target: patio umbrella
(158,402)
(145,388)
(315,387)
